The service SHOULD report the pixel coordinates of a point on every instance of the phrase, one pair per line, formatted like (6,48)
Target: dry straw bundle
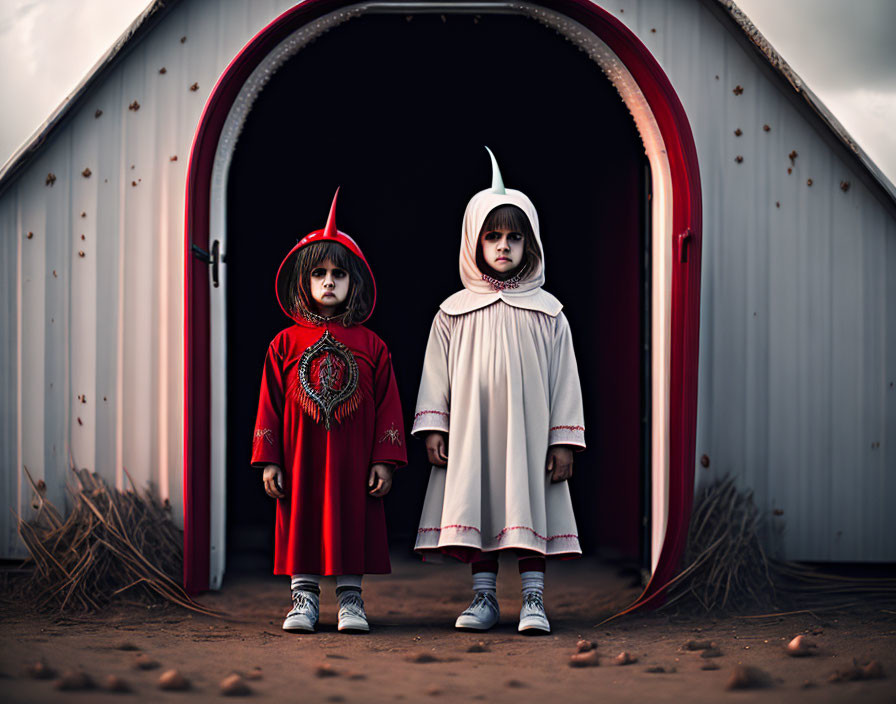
(112,541)
(726,567)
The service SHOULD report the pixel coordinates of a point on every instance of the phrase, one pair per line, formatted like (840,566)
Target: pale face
(502,249)
(329,287)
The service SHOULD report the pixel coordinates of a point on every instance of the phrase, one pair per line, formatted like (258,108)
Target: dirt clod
(114,683)
(711,653)
(583,646)
(253,674)
(433,690)
(73,681)
(234,686)
(173,680)
(625,658)
(421,658)
(40,671)
(699,645)
(325,670)
(800,647)
(130,647)
(871,670)
(514,684)
(479,647)
(748,677)
(143,662)
(588,658)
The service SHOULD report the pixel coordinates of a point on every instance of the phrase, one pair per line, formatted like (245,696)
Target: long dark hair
(509,217)
(359,302)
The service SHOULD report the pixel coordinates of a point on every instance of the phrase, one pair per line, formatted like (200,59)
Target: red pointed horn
(330,228)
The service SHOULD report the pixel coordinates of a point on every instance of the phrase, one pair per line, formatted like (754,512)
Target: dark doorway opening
(396,112)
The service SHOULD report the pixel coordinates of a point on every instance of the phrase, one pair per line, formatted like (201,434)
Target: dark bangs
(358,304)
(510,217)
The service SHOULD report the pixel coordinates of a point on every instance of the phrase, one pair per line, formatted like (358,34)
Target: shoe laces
(353,604)
(533,600)
(482,600)
(302,602)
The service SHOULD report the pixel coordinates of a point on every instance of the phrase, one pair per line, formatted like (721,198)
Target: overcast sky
(845,51)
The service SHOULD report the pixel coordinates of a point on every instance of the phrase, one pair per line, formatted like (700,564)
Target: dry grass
(112,542)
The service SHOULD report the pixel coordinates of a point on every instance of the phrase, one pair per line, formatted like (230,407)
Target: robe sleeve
(267,443)
(389,439)
(567,417)
(434,397)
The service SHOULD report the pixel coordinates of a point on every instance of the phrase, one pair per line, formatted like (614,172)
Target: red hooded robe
(328,524)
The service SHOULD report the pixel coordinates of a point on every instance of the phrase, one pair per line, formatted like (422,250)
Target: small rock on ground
(114,683)
(748,677)
(234,686)
(173,680)
(587,659)
(74,680)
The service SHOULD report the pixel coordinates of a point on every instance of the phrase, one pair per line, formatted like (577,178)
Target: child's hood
(478,291)
(328,233)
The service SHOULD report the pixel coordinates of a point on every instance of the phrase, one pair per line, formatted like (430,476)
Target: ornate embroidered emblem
(393,435)
(265,433)
(328,376)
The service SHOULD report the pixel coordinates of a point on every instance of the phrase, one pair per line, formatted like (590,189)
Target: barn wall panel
(798,320)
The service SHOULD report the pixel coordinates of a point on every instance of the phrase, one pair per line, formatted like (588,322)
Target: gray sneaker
(351,613)
(533,619)
(305,612)
(481,614)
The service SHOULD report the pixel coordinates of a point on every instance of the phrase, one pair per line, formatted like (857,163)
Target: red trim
(686,215)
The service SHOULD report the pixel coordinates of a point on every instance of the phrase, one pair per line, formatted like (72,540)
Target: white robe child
(500,377)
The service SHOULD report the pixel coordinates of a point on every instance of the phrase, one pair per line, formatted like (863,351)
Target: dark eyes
(320,272)
(512,236)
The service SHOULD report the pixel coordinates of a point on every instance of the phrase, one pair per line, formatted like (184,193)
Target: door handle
(212,258)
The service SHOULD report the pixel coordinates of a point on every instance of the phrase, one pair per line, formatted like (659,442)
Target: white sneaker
(351,613)
(481,614)
(305,611)
(533,619)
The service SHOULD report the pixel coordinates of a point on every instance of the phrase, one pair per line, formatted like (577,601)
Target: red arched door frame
(685,303)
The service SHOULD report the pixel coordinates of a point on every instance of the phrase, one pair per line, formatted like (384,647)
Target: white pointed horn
(497,181)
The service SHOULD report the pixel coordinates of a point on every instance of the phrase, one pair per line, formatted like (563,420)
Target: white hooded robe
(500,378)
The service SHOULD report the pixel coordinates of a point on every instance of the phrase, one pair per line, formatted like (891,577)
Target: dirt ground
(414,654)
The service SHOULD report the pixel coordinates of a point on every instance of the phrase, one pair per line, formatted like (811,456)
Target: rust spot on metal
(30,235)
(792,156)
(653,30)
(97,113)
(738,132)
(51,179)
(135,106)
(717,76)
(738,89)
(809,182)
(704,460)
(79,422)
(194,87)
(777,204)
(739,159)
(83,214)
(844,186)
(134,183)
(766,128)
(163,70)
(173,158)
(55,275)
(778,512)
(83,237)
(81,253)
(789,170)
(86,173)
(41,486)
(183,39)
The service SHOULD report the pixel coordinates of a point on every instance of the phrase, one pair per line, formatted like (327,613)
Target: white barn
(764,227)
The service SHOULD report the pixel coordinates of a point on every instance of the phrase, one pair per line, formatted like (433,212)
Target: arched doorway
(226,113)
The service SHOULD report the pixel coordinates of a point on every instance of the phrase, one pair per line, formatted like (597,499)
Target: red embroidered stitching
(265,433)
(393,435)
(500,535)
(568,427)
(438,413)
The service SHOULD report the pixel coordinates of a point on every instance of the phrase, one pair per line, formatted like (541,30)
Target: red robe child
(328,410)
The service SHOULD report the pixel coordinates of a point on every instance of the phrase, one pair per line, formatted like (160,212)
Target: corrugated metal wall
(798,327)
